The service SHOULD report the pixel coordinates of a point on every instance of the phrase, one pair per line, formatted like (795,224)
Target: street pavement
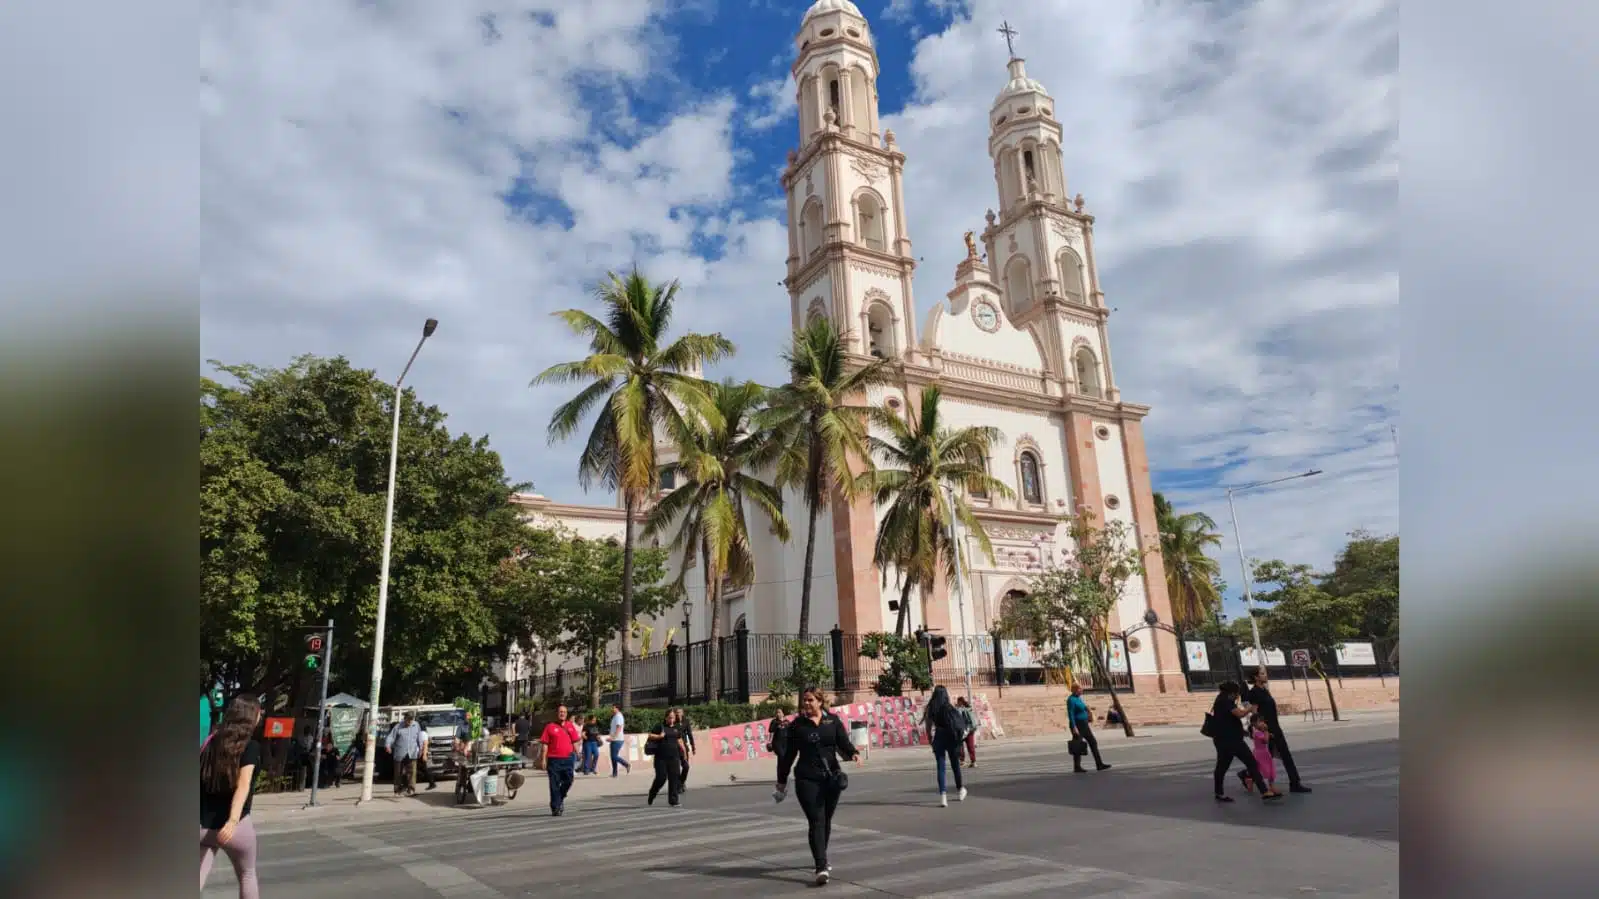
(1146,828)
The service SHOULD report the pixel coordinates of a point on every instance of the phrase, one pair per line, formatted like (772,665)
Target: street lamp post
(960,593)
(1249,596)
(383,578)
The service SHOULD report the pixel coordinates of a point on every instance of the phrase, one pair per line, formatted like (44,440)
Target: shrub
(904,660)
(703,717)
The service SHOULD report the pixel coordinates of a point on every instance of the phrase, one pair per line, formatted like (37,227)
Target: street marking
(446,880)
(1038,884)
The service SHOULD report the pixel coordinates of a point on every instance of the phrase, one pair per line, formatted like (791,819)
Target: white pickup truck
(438,721)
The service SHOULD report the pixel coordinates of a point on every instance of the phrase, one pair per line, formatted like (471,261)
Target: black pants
(819,800)
(668,771)
(559,771)
(682,777)
(1280,743)
(1227,749)
(1087,734)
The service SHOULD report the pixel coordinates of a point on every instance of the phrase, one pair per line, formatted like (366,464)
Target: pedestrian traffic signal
(313,651)
(935,646)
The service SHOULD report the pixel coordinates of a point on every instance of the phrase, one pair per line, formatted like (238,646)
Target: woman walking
(686,728)
(815,740)
(665,743)
(1225,727)
(970,715)
(228,763)
(945,726)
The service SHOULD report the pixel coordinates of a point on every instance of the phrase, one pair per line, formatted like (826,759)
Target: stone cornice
(835,140)
(1031,207)
(920,374)
(843,251)
(542,505)
(825,44)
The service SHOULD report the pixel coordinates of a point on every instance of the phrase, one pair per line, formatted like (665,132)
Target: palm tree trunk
(805,582)
(1115,701)
(903,622)
(623,682)
(713,649)
(813,478)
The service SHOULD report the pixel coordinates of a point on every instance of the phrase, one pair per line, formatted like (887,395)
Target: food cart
(489,773)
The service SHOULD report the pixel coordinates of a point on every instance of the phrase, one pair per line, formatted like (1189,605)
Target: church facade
(1019,342)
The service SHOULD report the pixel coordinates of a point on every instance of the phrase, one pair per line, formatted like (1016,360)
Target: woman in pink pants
(228,763)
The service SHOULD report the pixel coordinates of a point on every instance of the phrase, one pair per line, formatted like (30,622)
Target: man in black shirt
(1264,705)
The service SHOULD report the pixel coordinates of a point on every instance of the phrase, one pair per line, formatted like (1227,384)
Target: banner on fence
(1274,658)
(1117,661)
(1357,654)
(1198,655)
(891,721)
(1018,654)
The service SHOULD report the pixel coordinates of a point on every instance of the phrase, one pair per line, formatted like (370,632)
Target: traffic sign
(1301,658)
(313,643)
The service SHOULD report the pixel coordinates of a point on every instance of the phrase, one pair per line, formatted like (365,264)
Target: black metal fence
(1225,660)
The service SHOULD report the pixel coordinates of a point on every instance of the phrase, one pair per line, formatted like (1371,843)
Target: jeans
(560,773)
(591,756)
(818,801)
(616,757)
(947,748)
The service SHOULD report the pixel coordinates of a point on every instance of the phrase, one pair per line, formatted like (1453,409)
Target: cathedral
(1019,342)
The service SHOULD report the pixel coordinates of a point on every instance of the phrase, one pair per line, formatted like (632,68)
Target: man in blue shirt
(1079,719)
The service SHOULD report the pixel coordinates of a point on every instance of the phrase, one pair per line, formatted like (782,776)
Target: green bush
(904,660)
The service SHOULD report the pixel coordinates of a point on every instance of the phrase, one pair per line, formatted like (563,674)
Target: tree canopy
(1358,599)
(294,471)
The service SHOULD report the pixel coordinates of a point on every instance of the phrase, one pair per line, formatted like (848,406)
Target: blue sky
(368,165)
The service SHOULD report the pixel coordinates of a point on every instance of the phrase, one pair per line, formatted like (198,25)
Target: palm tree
(639,383)
(709,504)
(917,460)
(820,429)
(1191,574)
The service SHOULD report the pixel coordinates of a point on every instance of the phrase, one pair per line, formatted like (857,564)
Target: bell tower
(849,253)
(1040,243)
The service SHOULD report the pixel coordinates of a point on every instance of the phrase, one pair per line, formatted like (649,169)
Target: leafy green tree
(1066,611)
(592,576)
(1367,572)
(1303,615)
(918,459)
(903,660)
(707,510)
(294,470)
(818,420)
(640,385)
(1191,573)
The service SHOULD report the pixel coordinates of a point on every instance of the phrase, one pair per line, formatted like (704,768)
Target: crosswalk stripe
(935,874)
(1037,884)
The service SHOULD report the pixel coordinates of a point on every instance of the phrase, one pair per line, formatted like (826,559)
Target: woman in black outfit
(687,729)
(667,742)
(815,739)
(1227,733)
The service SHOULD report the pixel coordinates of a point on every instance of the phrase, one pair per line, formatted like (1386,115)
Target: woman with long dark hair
(945,726)
(1224,725)
(815,740)
(665,743)
(228,764)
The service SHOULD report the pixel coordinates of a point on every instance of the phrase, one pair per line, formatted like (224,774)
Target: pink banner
(891,722)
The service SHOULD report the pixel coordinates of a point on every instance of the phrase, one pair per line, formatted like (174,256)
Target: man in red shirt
(559,738)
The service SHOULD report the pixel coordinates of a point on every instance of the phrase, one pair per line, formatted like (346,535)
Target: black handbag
(1208,728)
(1077,746)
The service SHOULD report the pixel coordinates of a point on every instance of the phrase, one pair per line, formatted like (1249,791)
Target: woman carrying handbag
(815,741)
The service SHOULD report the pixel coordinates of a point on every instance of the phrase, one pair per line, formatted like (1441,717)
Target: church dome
(1018,84)
(821,6)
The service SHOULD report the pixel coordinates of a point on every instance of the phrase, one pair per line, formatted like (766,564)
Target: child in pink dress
(1260,733)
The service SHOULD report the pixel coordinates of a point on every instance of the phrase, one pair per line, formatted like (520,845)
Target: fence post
(999,665)
(1375,647)
(671,674)
(560,677)
(838,659)
(741,651)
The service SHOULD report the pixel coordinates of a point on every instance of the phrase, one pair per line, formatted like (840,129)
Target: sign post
(1301,660)
(323,641)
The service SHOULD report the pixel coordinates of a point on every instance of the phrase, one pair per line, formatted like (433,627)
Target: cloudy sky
(367,165)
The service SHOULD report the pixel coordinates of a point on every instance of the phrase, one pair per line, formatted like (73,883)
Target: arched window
(976,488)
(1008,607)
(1071,276)
(669,477)
(810,116)
(880,332)
(1030,168)
(869,220)
(1087,368)
(742,624)
(860,101)
(833,95)
(1032,482)
(1019,284)
(811,229)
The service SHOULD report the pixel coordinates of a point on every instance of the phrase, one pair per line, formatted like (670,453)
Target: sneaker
(823,876)
(961,796)
(1298,788)
(1102,766)
(943,800)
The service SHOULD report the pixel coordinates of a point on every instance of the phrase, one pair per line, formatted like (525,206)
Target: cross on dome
(1010,34)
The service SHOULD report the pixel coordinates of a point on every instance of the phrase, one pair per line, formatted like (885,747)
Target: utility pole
(321,713)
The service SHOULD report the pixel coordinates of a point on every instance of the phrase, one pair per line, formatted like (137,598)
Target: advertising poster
(1198,655)
(1118,656)
(1357,654)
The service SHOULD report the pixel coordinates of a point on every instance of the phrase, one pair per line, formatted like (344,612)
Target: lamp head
(428,329)
(1150,618)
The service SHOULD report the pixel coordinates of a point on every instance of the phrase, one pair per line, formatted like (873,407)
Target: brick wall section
(1040,711)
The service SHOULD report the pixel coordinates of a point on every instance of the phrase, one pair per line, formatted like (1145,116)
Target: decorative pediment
(866,168)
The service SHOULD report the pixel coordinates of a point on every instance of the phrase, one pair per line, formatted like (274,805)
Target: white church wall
(1045,431)
(1009,345)
(1112,457)
(814,295)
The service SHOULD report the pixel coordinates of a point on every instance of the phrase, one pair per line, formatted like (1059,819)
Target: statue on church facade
(971,246)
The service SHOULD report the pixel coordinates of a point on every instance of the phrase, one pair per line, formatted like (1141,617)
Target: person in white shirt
(617,724)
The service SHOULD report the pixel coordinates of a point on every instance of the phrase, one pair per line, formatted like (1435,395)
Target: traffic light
(313,651)
(935,646)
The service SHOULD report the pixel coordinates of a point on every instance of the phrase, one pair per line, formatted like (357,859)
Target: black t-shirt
(812,748)
(524,730)
(1228,725)
(667,746)
(214,807)
(1265,704)
(592,732)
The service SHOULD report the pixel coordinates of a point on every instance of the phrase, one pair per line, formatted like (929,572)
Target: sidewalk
(282,812)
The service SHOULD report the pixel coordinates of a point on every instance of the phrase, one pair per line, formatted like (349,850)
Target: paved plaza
(1146,828)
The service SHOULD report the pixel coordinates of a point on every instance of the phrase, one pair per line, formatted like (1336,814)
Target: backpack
(952,721)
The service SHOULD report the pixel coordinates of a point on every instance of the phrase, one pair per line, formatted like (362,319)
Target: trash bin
(860,737)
